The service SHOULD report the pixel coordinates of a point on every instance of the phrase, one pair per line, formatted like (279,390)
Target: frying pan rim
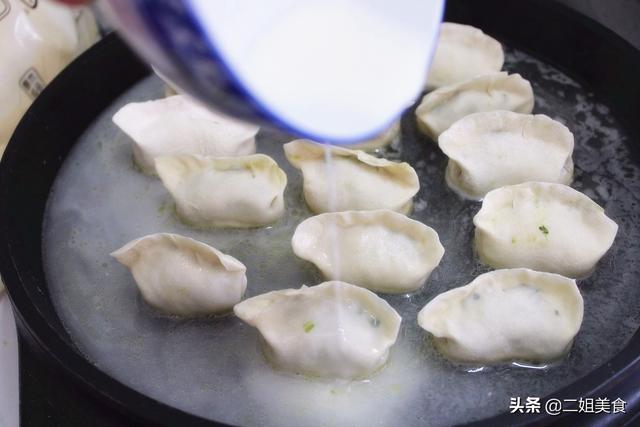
(32,320)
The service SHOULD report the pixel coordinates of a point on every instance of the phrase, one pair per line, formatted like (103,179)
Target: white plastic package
(37,40)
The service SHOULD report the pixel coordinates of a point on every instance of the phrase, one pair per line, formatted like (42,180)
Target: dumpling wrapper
(242,191)
(497,91)
(505,316)
(360,181)
(331,330)
(182,276)
(463,52)
(492,149)
(382,140)
(546,227)
(380,250)
(179,125)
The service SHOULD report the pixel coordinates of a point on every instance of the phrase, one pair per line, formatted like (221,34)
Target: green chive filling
(308,326)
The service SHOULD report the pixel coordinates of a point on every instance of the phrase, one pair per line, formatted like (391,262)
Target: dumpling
(463,52)
(504,316)
(179,125)
(333,329)
(497,148)
(382,140)
(357,180)
(184,277)
(497,91)
(546,227)
(242,191)
(380,250)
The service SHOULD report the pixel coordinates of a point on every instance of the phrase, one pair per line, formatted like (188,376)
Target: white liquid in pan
(214,367)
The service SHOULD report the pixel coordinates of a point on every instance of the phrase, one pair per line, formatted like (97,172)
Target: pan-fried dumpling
(546,227)
(382,140)
(497,148)
(463,52)
(184,277)
(179,125)
(333,330)
(242,191)
(358,180)
(497,91)
(504,316)
(380,250)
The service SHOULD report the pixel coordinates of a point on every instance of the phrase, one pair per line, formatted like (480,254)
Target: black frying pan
(592,54)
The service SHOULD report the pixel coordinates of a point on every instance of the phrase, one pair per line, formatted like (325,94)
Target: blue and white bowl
(342,70)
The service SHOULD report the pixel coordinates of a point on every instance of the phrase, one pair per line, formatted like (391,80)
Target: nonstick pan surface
(608,152)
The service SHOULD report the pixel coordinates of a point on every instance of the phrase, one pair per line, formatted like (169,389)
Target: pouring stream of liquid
(334,254)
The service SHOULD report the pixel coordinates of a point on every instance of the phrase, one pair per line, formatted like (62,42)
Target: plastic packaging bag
(38,38)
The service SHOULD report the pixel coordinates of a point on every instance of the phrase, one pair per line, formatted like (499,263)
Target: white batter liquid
(214,368)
